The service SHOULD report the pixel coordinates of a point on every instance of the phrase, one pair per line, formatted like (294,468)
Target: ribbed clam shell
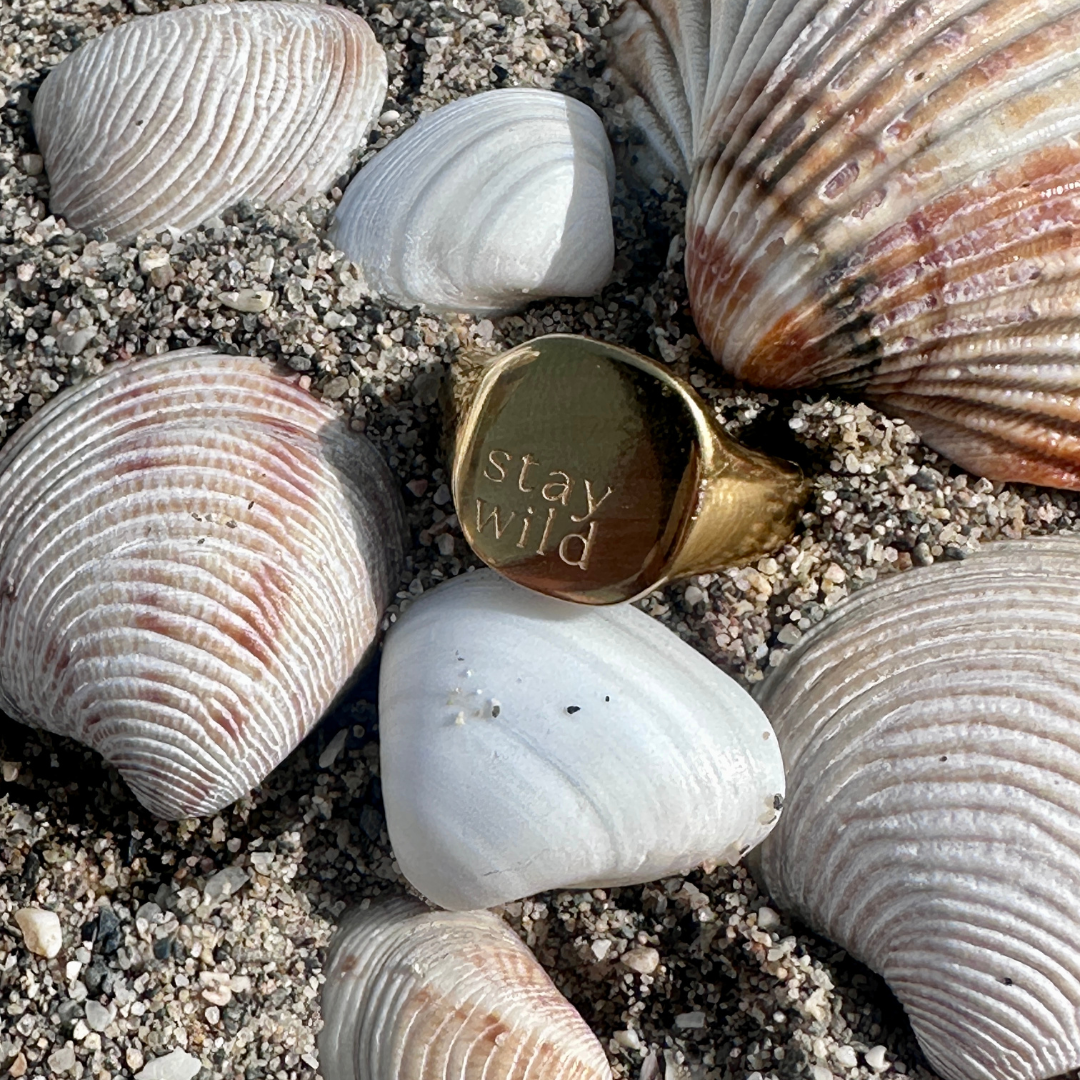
(194,557)
(435,995)
(884,196)
(484,205)
(529,743)
(168,119)
(931,730)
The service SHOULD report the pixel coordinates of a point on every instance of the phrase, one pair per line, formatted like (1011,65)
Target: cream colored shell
(484,205)
(168,119)
(194,557)
(413,994)
(931,730)
(883,197)
(528,743)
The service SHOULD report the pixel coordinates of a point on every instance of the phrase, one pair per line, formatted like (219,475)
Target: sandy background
(728,990)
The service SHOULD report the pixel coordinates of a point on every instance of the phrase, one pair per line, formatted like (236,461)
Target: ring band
(587,471)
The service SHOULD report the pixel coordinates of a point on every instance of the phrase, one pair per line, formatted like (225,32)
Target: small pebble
(846,1057)
(62,1060)
(252,301)
(767,918)
(178,1065)
(695,1019)
(643,960)
(224,883)
(40,930)
(98,1017)
(600,948)
(875,1058)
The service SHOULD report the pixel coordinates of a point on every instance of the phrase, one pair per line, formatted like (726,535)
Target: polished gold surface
(586,471)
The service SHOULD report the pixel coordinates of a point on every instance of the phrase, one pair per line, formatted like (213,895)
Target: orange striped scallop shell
(885,198)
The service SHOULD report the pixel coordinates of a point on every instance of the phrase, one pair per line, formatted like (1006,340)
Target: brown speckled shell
(884,198)
(195,554)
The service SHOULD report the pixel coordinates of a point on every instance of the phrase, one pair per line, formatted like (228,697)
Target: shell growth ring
(586,471)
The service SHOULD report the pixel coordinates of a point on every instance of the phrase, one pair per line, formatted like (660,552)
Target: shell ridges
(484,205)
(195,554)
(168,119)
(436,995)
(931,728)
(873,183)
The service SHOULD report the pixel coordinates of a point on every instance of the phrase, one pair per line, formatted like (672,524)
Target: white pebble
(767,918)
(175,1066)
(642,960)
(98,1016)
(819,1072)
(333,748)
(601,948)
(251,301)
(62,1060)
(40,930)
(695,1019)
(875,1058)
(72,969)
(445,544)
(628,1038)
(846,1057)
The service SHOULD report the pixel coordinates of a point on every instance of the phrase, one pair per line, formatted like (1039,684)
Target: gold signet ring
(589,472)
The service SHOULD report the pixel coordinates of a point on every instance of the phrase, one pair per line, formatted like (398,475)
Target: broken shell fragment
(529,743)
(195,554)
(170,118)
(931,729)
(436,995)
(484,205)
(883,202)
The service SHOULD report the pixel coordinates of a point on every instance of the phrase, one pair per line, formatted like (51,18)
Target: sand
(208,936)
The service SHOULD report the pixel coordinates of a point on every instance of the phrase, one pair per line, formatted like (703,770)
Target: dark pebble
(512,7)
(927,479)
(97,978)
(162,946)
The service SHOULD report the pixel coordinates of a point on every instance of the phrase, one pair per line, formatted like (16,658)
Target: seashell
(529,743)
(435,995)
(194,557)
(931,729)
(484,205)
(883,198)
(168,119)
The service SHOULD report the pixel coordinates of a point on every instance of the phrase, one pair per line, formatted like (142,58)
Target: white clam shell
(484,205)
(931,728)
(529,743)
(883,197)
(168,119)
(194,557)
(434,995)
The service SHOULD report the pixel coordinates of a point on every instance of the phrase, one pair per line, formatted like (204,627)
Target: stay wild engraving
(556,488)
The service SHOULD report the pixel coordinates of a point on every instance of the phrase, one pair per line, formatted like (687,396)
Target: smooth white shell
(168,119)
(484,205)
(529,743)
(194,557)
(931,728)
(413,994)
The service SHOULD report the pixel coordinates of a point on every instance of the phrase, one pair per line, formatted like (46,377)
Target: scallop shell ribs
(194,557)
(433,995)
(485,205)
(883,197)
(168,119)
(931,730)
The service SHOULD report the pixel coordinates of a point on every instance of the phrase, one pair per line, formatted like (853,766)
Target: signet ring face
(587,471)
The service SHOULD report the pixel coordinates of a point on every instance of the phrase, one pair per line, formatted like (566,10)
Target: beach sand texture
(208,936)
